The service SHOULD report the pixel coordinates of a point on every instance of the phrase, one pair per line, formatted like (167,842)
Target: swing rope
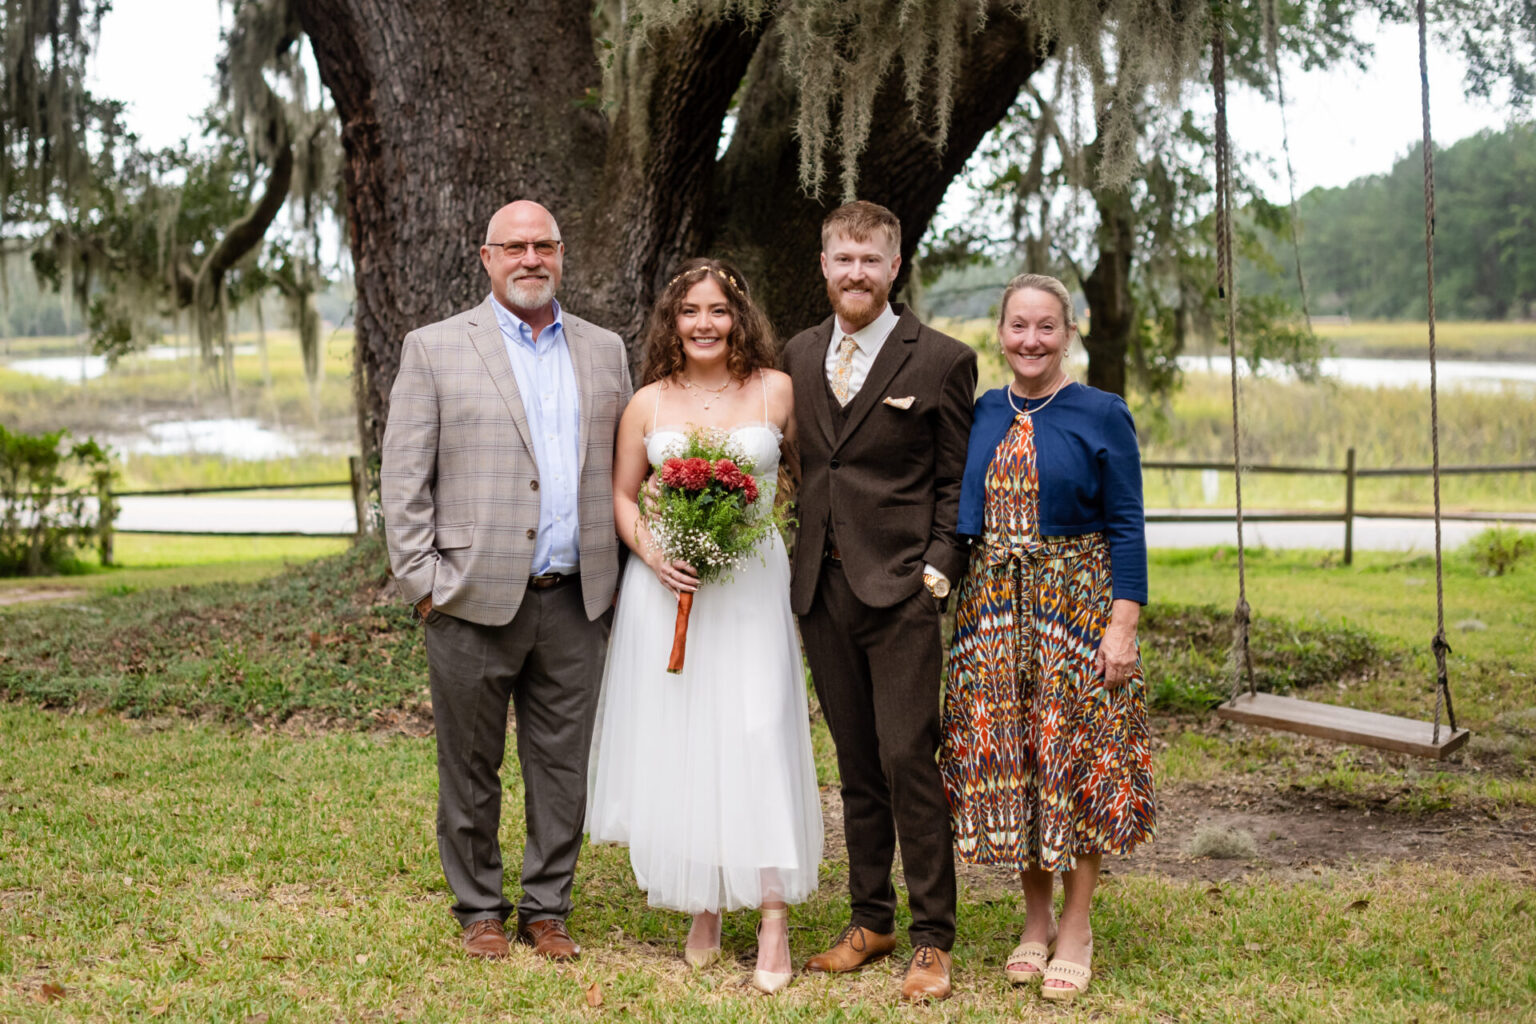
(1226,287)
(1272,44)
(1440,645)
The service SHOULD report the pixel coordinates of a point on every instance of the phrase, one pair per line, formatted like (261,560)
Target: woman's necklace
(713,393)
(1025,410)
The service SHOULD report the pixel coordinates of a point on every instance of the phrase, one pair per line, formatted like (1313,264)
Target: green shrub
(1496,550)
(46,499)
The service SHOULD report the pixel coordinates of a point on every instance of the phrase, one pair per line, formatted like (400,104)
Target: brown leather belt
(549,580)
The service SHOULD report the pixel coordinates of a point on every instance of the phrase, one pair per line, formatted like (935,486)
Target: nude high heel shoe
(700,957)
(769,981)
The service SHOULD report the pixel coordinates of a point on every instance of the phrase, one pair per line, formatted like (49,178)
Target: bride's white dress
(708,776)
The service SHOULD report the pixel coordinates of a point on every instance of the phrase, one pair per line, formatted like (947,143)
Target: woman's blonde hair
(1040,283)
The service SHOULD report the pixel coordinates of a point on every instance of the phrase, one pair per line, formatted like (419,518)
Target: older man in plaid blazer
(498,509)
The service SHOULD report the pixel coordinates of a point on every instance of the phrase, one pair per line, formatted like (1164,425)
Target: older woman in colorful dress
(1045,756)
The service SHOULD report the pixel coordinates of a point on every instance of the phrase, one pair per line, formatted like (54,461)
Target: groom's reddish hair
(859,220)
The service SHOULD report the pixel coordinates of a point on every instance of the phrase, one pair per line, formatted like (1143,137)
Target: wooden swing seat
(1346,725)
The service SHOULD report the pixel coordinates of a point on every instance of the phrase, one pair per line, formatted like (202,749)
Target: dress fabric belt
(1026,567)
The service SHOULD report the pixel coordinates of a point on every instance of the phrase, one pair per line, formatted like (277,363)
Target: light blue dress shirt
(547,383)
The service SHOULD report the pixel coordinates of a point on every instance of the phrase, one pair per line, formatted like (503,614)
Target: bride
(708,775)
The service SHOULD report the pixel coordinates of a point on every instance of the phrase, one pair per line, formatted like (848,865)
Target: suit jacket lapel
(488,341)
(813,393)
(896,350)
(576,343)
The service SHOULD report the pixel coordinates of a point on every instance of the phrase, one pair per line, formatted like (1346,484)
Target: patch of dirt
(24,595)
(1298,836)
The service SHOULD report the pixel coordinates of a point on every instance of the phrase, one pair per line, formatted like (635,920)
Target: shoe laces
(925,956)
(853,935)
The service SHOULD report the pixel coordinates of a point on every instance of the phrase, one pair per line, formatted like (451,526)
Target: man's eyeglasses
(544,247)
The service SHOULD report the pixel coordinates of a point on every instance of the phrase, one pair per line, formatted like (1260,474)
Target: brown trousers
(876,672)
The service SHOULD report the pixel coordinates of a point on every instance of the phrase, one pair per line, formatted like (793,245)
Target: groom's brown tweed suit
(879,496)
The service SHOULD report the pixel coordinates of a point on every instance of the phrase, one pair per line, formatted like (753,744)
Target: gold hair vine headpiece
(727,278)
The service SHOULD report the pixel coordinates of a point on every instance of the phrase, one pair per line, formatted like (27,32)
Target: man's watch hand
(424,606)
(937,585)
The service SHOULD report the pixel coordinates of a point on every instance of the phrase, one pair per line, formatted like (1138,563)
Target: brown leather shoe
(927,975)
(485,939)
(855,947)
(549,938)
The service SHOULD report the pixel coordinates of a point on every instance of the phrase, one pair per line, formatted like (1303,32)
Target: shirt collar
(514,326)
(873,334)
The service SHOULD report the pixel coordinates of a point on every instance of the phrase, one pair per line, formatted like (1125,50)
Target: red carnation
(672,473)
(749,490)
(695,474)
(730,475)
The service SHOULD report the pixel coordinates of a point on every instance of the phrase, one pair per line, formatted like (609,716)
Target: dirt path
(23,595)
(1296,836)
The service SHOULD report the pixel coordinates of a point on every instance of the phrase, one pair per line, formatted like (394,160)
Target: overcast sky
(158,55)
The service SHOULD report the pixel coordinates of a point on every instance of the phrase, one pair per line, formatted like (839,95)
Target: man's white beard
(522,295)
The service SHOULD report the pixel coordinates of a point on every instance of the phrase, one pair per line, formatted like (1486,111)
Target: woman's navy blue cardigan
(1090,475)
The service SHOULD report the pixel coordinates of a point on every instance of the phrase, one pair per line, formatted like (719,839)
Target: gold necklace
(714,393)
(1025,410)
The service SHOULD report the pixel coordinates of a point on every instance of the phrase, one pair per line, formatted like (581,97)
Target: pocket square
(903,403)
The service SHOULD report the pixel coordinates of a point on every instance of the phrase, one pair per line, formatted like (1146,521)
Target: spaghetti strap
(762,378)
(655,408)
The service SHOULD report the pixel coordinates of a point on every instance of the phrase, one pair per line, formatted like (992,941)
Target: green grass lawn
(145,561)
(187,872)
(199,831)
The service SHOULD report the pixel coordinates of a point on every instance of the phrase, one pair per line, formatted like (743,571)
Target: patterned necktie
(844,369)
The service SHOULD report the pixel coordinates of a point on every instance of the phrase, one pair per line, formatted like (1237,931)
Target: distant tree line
(1362,245)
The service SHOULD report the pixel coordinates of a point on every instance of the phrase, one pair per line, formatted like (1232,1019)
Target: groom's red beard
(531,291)
(856,311)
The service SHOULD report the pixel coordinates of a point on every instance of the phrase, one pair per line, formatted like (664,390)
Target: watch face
(941,588)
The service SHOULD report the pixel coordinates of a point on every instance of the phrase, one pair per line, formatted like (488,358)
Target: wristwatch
(937,585)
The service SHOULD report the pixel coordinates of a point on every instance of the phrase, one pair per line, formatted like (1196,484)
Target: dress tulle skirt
(708,776)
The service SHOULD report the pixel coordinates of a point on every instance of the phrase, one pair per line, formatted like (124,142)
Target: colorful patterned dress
(1042,763)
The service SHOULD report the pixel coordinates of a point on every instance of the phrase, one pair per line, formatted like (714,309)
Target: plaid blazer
(459,484)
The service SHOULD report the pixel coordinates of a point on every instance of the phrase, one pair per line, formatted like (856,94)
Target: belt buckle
(544,581)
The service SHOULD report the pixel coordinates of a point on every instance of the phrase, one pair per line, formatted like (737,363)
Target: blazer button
(834,463)
(533,534)
(533,485)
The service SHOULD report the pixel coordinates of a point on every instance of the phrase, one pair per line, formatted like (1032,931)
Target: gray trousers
(548,662)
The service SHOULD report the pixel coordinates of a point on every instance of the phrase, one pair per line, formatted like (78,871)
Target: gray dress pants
(548,662)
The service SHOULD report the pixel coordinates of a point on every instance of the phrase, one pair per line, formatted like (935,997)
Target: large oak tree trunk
(451,110)
(1111,307)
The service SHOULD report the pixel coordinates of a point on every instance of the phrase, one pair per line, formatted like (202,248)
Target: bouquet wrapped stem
(680,632)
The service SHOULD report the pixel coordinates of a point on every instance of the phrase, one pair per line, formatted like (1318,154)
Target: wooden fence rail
(1350,471)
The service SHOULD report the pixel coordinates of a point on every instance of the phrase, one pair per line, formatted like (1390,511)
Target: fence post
(1349,507)
(105,514)
(359,492)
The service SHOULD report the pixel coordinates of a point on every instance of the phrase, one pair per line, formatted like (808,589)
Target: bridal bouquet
(704,510)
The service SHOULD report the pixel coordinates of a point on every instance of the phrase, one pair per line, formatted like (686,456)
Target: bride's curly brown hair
(749,347)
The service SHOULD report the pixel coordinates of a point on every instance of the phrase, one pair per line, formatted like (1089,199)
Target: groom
(498,509)
(883,411)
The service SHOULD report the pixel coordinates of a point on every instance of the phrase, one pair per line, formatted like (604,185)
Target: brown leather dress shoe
(549,938)
(856,947)
(485,939)
(927,975)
